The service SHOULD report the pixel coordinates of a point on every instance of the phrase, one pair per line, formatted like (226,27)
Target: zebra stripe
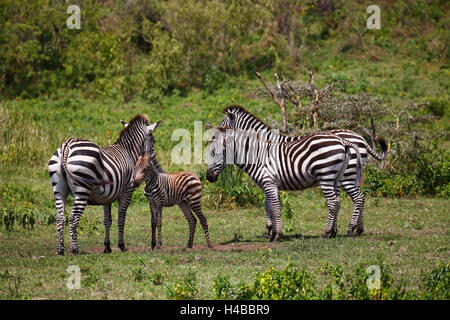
(96,176)
(290,165)
(168,189)
(238,117)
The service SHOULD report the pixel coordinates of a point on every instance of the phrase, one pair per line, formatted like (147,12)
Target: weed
(184,289)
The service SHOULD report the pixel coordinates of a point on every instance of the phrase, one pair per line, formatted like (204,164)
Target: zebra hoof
(359,231)
(266,235)
(60,253)
(74,251)
(107,249)
(350,233)
(277,237)
(122,247)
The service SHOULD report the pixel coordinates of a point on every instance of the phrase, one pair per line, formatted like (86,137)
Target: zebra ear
(153,126)
(124,123)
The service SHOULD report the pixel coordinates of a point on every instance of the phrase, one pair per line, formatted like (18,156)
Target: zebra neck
(157,166)
(250,152)
(153,172)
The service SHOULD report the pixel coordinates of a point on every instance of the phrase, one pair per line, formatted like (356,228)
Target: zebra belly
(99,197)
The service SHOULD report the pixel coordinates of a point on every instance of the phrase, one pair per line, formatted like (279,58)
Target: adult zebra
(97,176)
(290,165)
(237,117)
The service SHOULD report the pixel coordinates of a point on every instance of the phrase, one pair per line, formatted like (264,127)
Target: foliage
(437,283)
(23,206)
(184,289)
(233,187)
(288,283)
(149,48)
(428,175)
(291,283)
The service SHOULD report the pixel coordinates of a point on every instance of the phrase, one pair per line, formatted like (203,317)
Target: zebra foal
(290,165)
(168,189)
(96,176)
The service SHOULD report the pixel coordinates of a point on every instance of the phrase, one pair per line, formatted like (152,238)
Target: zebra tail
(359,168)
(91,183)
(383,146)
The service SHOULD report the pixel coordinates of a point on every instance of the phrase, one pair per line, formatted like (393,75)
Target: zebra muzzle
(210,176)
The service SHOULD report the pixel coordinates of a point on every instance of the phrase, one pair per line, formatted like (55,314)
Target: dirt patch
(228,247)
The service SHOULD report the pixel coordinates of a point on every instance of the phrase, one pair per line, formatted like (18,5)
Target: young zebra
(96,176)
(168,189)
(294,165)
(238,117)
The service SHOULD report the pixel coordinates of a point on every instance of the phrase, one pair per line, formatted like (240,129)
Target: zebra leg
(60,190)
(334,229)
(153,221)
(196,207)
(60,221)
(334,203)
(268,220)
(273,210)
(158,226)
(74,218)
(357,219)
(192,221)
(123,206)
(107,222)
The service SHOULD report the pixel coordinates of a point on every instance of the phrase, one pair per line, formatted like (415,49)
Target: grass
(411,236)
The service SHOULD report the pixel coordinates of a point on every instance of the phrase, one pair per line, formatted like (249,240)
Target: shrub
(428,175)
(288,283)
(233,187)
(17,206)
(185,289)
(437,283)
(21,205)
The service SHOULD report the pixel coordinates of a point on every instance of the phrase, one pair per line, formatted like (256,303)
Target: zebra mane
(259,136)
(139,119)
(237,108)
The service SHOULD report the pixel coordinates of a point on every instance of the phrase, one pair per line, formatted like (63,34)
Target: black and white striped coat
(96,176)
(293,165)
(168,189)
(238,117)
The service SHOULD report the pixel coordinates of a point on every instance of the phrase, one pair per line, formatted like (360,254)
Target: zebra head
(229,119)
(217,154)
(148,139)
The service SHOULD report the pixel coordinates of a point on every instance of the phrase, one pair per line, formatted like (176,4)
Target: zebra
(290,165)
(168,189)
(237,117)
(96,176)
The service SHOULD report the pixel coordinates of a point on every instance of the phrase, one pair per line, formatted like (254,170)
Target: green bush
(21,205)
(428,175)
(184,289)
(288,283)
(232,188)
(291,283)
(437,283)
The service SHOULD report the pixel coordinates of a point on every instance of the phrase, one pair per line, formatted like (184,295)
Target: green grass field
(409,235)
